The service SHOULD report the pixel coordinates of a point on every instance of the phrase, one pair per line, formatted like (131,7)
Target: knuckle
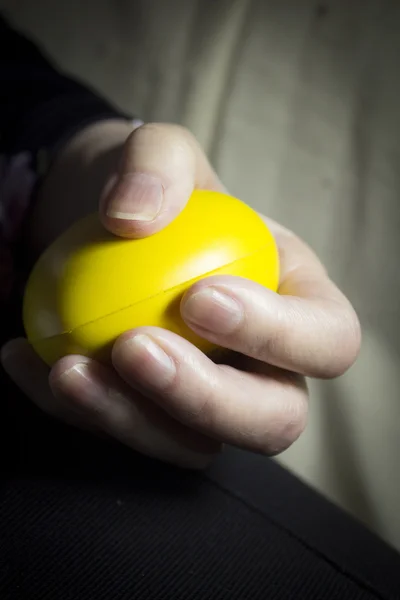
(277,342)
(191,401)
(201,407)
(295,424)
(202,412)
(287,428)
(160,144)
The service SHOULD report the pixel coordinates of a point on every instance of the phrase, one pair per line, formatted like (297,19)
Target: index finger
(161,165)
(309,327)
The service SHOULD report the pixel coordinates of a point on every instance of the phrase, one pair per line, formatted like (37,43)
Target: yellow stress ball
(90,286)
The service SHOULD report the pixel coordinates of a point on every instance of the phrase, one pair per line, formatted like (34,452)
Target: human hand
(162,396)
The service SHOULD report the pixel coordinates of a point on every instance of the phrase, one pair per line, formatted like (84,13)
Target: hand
(163,397)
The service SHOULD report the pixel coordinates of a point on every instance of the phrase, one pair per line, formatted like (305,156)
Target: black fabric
(84,518)
(39,106)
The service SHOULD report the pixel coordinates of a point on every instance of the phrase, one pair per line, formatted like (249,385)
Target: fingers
(323,307)
(126,415)
(161,166)
(263,411)
(311,335)
(89,396)
(309,327)
(31,375)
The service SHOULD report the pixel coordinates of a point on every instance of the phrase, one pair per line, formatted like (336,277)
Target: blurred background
(297,102)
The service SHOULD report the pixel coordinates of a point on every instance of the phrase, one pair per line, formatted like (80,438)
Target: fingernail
(135,197)
(86,390)
(79,375)
(154,361)
(78,385)
(213,310)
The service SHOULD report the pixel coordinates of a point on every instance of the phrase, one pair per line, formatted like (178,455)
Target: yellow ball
(90,286)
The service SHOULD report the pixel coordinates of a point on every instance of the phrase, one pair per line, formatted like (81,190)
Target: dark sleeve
(39,106)
(40,109)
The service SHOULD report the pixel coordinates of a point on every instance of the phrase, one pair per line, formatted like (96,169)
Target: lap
(84,518)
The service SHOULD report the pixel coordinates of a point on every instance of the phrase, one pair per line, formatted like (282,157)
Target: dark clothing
(82,518)
(39,107)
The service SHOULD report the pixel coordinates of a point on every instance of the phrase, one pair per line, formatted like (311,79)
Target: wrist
(76,179)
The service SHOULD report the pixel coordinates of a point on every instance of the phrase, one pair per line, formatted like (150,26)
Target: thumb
(160,167)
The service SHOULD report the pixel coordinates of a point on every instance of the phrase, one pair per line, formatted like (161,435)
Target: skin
(163,397)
